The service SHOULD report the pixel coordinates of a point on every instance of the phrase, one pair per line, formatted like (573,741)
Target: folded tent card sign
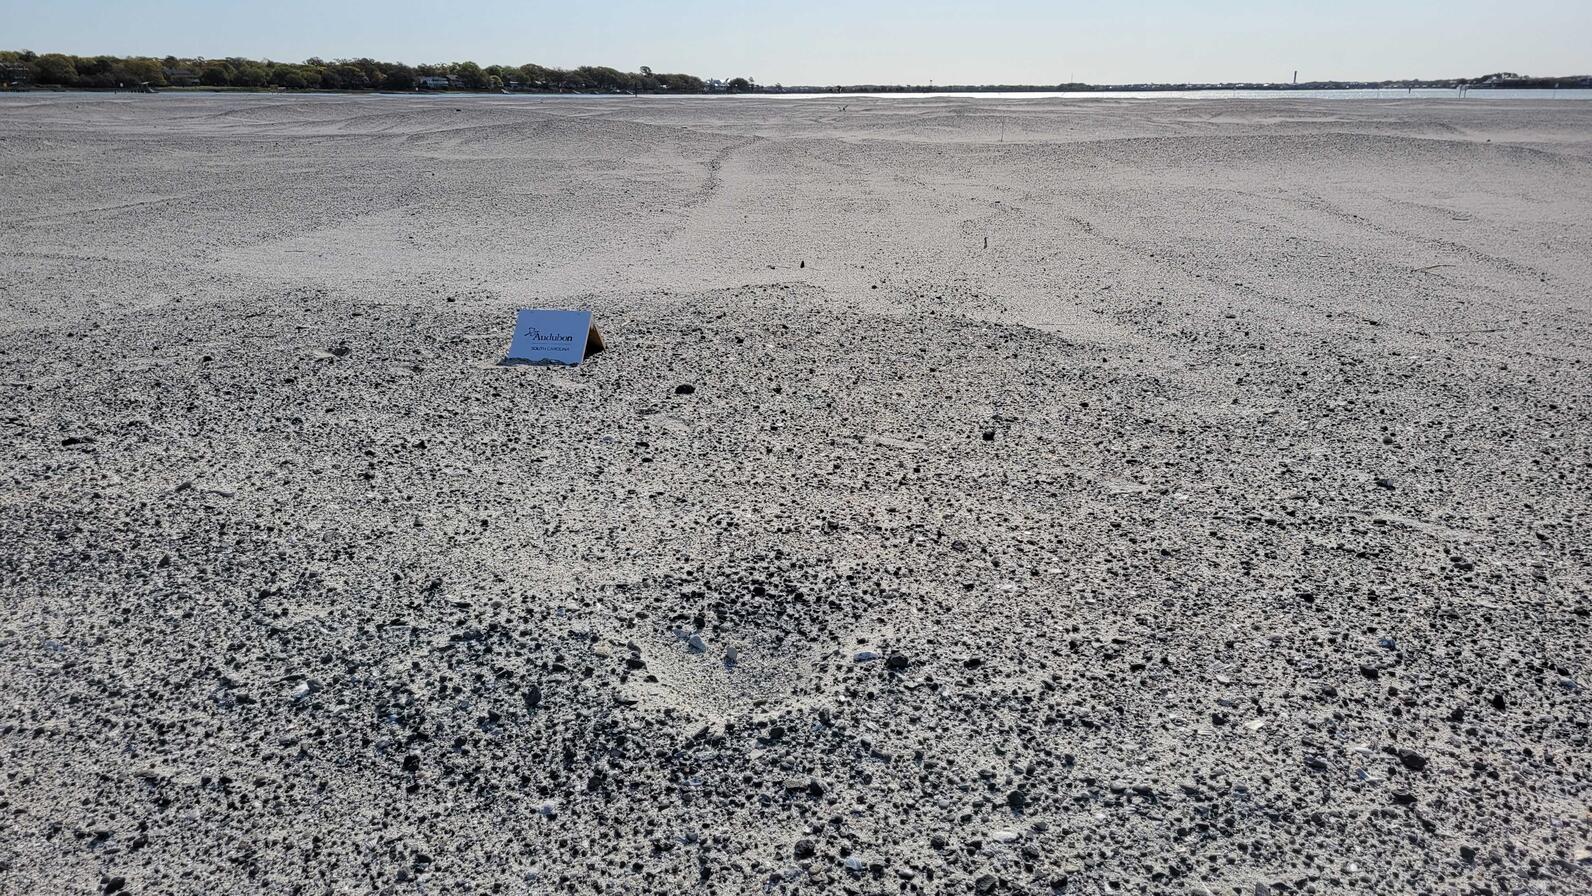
(546,336)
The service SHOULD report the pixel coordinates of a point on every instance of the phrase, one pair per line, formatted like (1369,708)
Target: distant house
(435,82)
(15,74)
(181,77)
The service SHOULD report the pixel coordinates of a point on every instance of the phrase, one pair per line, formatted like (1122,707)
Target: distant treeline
(26,68)
(1505,80)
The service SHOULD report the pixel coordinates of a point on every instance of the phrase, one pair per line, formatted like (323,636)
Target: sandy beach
(1091,496)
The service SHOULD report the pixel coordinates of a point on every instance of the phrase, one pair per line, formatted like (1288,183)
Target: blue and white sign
(549,337)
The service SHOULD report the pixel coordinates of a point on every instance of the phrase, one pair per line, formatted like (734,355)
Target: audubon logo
(536,335)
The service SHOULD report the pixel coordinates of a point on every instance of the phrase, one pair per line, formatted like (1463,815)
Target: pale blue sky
(827,42)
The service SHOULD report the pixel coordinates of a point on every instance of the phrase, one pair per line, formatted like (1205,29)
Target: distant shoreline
(26,70)
(1488,82)
(1478,91)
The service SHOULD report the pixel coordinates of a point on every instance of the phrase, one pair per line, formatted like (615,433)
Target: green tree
(470,75)
(681,83)
(251,75)
(99,71)
(141,71)
(349,76)
(375,72)
(399,77)
(215,75)
(536,76)
(604,78)
(55,68)
(740,85)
